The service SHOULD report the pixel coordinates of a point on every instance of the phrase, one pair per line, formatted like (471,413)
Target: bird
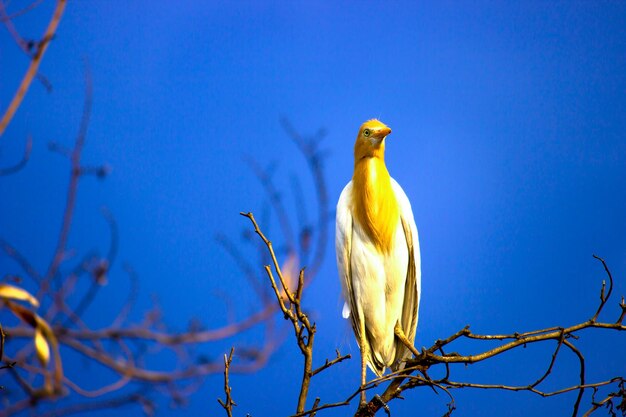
(378,257)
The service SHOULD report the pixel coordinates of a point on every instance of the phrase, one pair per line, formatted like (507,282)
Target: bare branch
(314,158)
(117,402)
(328,363)
(603,298)
(22,163)
(4,17)
(304,330)
(228,403)
(68,214)
(34,65)
(428,358)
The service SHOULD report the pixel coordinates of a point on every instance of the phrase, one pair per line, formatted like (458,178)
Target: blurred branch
(6,17)
(315,159)
(276,201)
(22,163)
(123,347)
(21,260)
(299,242)
(243,263)
(75,174)
(116,402)
(41,47)
(9,364)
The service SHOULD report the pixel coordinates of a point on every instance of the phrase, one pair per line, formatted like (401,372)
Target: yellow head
(370,142)
(373,201)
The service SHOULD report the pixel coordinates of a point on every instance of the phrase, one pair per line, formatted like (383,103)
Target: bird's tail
(402,354)
(376,365)
(375,360)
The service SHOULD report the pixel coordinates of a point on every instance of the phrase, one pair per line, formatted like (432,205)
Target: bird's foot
(405,341)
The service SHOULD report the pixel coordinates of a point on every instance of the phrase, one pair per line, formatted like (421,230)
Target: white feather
(373,284)
(345,311)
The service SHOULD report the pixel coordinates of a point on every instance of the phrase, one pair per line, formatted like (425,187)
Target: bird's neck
(374,202)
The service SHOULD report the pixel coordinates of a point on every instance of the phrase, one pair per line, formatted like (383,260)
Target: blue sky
(509,138)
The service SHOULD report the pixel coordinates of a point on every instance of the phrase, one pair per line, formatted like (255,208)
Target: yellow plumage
(373,202)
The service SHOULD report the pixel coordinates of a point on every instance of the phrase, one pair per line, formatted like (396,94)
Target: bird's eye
(366,132)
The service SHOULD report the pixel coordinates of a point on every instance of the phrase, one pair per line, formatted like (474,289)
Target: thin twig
(34,65)
(228,403)
(304,330)
(21,12)
(68,213)
(428,358)
(603,298)
(328,363)
(22,163)
(314,158)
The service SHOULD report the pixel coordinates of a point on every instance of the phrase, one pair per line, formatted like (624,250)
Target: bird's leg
(362,345)
(405,340)
(400,335)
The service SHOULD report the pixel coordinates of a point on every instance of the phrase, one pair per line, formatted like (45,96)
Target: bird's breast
(374,203)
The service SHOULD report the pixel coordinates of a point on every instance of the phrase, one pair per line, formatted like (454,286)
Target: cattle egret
(378,257)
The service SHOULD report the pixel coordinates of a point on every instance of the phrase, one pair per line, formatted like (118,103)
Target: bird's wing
(412,289)
(343,249)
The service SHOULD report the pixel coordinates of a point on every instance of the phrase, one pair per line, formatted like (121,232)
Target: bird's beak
(381,134)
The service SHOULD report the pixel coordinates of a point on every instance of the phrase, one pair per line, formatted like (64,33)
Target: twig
(34,65)
(68,213)
(315,160)
(315,409)
(603,298)
(276,201)
(304,330)
(21,260)
(22,163)
(10,364)
(428,358)
(244,264)
(529,388)
(328,363)
(123,347)
(120,401)
(227,404)
(21,12)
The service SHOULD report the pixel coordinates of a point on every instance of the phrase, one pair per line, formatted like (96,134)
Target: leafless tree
(44,311)
(416,371)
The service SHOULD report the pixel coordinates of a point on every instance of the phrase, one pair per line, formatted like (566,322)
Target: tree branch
(228,403)
(42,45)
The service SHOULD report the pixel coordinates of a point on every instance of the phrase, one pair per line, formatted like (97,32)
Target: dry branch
(406,379)
(22,163)
(41,47)
(228,403)
(304,330)
(123,346)
(564,336)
